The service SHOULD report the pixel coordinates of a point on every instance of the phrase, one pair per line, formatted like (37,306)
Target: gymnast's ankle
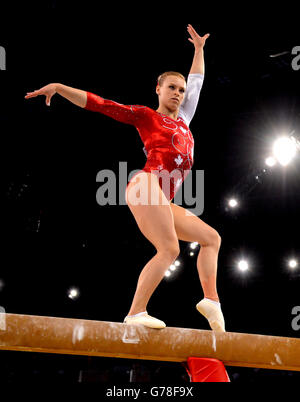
(214,301)
(137,314)
(216,298)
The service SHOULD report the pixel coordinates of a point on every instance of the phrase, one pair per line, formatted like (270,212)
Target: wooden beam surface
(114,339)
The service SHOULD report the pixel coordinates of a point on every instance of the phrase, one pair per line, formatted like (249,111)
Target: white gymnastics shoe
(213,313)
(145,319)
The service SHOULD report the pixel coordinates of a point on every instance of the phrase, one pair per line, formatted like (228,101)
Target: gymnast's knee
(170,249)
(213,240)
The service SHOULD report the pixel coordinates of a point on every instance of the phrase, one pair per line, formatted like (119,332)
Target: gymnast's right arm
(76,96)
(130,114)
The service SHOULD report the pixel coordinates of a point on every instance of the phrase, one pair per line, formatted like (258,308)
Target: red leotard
(169,143)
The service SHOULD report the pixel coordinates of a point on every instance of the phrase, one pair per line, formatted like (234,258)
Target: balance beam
(113,339)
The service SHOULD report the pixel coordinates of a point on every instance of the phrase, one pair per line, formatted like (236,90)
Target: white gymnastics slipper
(213,313)
(144,319)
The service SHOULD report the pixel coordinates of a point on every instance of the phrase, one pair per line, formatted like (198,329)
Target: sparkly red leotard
(168,143)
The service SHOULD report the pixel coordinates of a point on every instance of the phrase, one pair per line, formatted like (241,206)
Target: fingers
(191,27)
(36,93)
(48,98)
(191,30)
(194,34)
(32,94)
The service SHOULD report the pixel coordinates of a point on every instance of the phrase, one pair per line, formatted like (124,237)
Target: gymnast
(168,145)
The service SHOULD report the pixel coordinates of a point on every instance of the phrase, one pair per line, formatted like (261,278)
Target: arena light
(233,203)
(167,273)
(73,293)
(284,150)
(270,161)
(293,263)
(193,245)
(243,265)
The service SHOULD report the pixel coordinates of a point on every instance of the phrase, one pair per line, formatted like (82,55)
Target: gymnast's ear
(157,90)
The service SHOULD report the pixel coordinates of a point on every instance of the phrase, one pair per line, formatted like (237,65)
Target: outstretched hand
(48,90)
(196,39)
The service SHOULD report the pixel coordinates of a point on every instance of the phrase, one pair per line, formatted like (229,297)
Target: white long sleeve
(189,105)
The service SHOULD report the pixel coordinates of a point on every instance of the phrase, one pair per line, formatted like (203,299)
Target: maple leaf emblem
(178,160)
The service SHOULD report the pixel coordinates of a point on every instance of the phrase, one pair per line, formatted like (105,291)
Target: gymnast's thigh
(191,228)
(154,219)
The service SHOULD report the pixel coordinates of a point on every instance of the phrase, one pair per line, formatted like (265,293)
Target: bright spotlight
(191,253)
(292,263)
(243,265)
(172,267)
(177,263)
(270,161)
(193,245)
(73,293)
(232,203)
(167,273)
(284,150)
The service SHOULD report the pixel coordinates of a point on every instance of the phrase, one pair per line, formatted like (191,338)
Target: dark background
(55,235)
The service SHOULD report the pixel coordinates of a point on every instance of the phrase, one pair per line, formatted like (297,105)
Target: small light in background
(293,263)
(172,268)
(270,161)
(193,245)
(284,150)
(243,265)
(232,203)
(73,293)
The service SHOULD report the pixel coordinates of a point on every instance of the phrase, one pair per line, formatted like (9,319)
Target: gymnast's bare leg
(191,228)
(163,225)
(157,225)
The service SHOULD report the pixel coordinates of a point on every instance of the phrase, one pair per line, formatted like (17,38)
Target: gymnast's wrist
(57,86)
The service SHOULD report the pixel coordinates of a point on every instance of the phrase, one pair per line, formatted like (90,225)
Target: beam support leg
(206,370)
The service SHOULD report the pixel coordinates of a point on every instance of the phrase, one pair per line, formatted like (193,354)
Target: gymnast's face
(171,93)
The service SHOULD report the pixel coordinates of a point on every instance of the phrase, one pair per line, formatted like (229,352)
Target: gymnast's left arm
(199,43)
(196,76)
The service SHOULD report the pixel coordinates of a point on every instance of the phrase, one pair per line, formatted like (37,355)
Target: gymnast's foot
(212,311)
(144,319)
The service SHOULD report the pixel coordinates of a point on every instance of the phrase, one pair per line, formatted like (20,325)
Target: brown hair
(161,78)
